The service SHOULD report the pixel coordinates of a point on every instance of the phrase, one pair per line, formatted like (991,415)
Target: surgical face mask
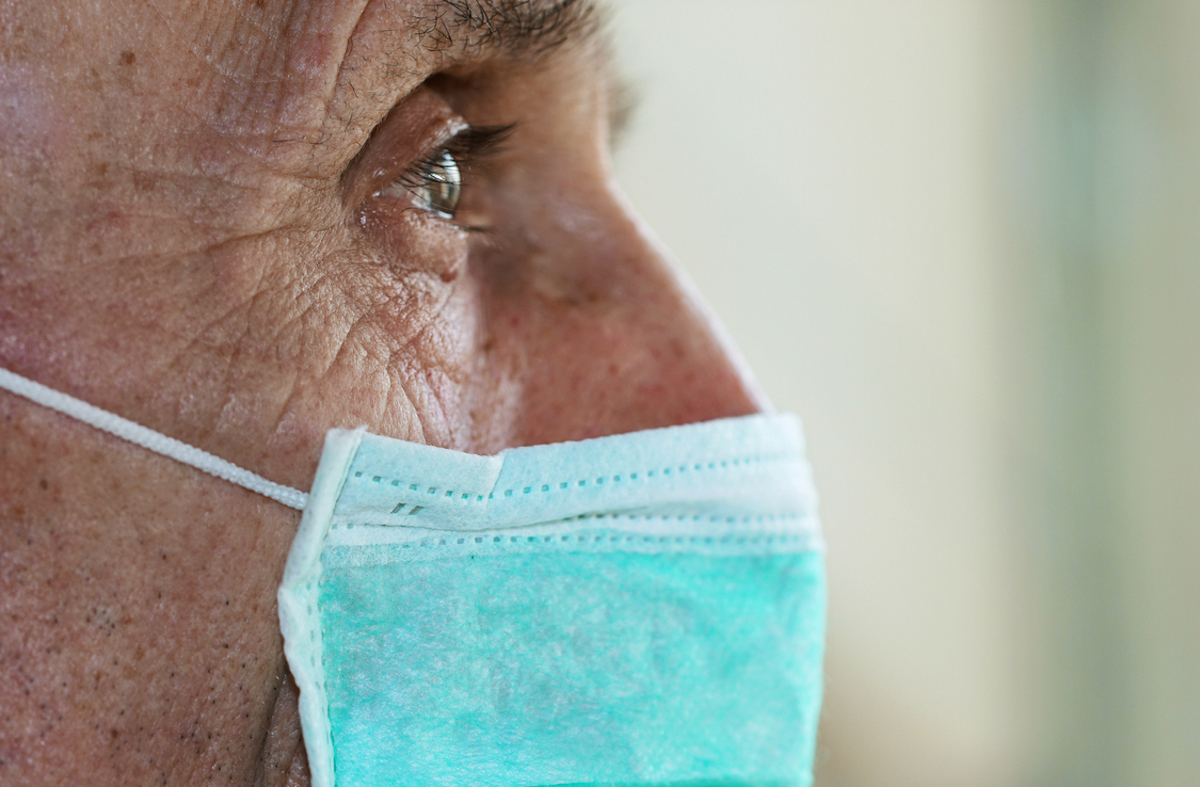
(642,609)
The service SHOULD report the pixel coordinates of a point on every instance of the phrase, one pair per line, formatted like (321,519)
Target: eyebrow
(527,29)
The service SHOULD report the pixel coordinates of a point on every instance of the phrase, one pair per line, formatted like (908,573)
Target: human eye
(434,182)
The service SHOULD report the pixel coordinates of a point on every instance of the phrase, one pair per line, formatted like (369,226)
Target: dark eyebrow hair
(521,28)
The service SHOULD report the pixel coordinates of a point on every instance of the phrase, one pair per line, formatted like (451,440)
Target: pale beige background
(962,239)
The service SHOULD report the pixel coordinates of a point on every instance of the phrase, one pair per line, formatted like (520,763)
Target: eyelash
(471,145)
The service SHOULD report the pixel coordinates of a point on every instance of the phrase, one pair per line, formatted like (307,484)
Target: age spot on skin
(128,58)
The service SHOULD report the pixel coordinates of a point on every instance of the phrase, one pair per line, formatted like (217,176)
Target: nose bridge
(687,313)
(622,340)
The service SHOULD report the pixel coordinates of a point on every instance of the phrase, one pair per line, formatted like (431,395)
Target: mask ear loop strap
(151,440)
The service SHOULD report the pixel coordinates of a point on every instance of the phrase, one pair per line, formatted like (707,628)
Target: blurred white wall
(962,239)
(824,170)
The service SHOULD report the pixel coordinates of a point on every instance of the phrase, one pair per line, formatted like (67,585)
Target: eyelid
(467,146)
(415,129)
(465,149)
(473,143)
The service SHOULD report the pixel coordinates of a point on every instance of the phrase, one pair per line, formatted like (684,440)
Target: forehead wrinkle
(526,29)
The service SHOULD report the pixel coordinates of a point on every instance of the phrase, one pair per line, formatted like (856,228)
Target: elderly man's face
(229,221)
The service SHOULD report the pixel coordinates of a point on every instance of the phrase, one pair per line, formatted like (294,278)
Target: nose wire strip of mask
(151,440)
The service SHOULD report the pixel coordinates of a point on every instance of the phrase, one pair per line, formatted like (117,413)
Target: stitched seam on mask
(610,538)
(560,486)
(738,538)
(791,538)
(725,520)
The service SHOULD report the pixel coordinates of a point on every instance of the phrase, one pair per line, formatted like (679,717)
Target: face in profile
(247,222)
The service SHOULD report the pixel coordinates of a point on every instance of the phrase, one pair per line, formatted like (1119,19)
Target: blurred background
(961,238)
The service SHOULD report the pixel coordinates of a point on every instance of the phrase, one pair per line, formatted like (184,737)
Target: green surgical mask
(643,609)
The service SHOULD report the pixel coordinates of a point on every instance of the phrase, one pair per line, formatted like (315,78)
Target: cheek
(428,325)
(409,241)
(29,120)
(425,334)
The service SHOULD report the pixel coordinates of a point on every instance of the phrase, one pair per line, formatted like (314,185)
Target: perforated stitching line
(609,538)
(729,520)
(614,478)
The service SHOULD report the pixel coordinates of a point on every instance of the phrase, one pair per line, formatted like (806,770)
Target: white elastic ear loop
(150,439)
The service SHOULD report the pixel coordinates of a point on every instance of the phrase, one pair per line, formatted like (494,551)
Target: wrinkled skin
(192,236)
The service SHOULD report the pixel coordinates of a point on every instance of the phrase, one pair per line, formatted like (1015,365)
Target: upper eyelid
(477,141)
(467,146)
(412,130)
